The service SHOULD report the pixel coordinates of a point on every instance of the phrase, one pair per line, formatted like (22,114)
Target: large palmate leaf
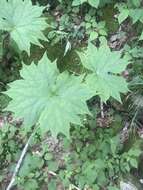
(105,67)
(22,20)
(49,98)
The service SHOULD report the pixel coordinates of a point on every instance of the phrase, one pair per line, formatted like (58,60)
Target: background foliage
(86,91)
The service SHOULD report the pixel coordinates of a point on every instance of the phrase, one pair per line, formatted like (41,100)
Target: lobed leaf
(23,21)
(106,68)
(46,97)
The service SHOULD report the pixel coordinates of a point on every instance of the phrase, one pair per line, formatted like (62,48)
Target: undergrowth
(71,95)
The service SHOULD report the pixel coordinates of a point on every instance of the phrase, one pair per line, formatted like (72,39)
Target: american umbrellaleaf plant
(52,100)
(45,96)
(106,69)
(55,100)
(49,98)
(23,21)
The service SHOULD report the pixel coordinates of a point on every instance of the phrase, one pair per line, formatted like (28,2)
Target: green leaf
(52,166)
(78,2)
(31,184)
(136,3)
(52,185)
(105,67)
(134,152)
(94,3)
(136,15)
(113,188)
(49,98)
(31,163)
(133,163)
(123,15)
(114,142)
(22,20)
(48,156)
(141,37)
(93,36)
(96,187)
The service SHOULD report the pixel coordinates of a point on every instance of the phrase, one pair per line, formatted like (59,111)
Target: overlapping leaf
(105,67)
(23,21)
(49,98)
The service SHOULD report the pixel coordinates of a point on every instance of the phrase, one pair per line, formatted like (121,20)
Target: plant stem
(5,49)
(102,109)
(19,163)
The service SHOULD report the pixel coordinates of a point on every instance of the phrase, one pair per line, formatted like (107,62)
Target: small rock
(141,181)
(1,122)
(127,186)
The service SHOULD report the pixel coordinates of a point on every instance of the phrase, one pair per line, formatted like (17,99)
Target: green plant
(132,9)
(9,148)
(89,159)
(48,92)
(75,24)
(105,67)
(69,129)
(93,3)
(97,159)
(22,20)
(64,92)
